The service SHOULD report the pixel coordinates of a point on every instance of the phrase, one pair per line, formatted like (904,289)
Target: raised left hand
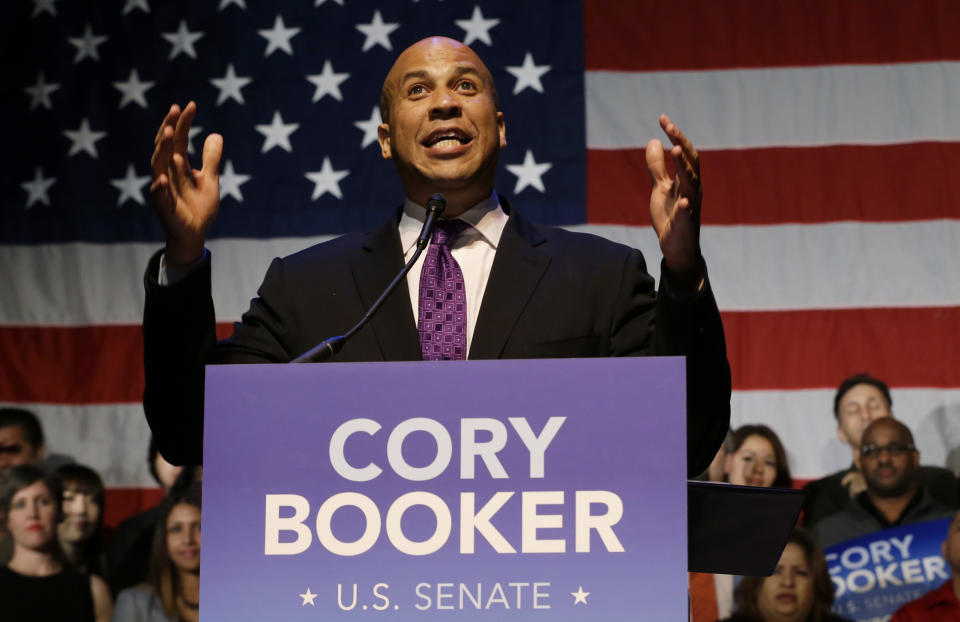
(675,201)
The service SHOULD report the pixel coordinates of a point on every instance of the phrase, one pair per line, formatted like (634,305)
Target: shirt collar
(487,220)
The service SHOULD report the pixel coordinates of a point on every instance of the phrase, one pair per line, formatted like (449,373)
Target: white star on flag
(327,82)
(84,139)
(130,186)
(226,3)
(277,133)
(230,182)
(39,6)
(529,173)
(40,93)
(37,188)
(136,4)
(528,74)
(193,131)
(580,596)
(279,37)
(230,85)
(86,45)
(377,32)
(182,40)
(320,2)
(326,180)
(477,28)
(369,127)
(308,597)
(133,90)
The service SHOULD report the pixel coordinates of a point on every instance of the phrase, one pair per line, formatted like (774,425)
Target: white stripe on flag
(799,106)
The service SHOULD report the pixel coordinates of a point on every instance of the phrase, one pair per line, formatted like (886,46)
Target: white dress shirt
(474,250)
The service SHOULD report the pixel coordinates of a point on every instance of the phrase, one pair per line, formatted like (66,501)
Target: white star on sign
(580,596)
(130,186)
(277,133)
(307,598)
(327,82)
(37,188)
(136,4)
(226,3)
(182,40)
(133,90)
(279,37)
(231,181)
(84,139)
(86,45)
(477,27)
(40,93)
(39,6)
(528,74)
(369,127)
(230,86)
(326,180)
(529,173)
(377,32)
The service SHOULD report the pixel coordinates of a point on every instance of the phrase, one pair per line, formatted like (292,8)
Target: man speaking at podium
(491,284)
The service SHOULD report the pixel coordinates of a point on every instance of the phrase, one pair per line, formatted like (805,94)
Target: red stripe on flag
(649,36)
(122,503)
(781,185)
(74,364)
(907,347)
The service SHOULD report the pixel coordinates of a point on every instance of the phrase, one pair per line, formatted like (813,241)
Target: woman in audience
(172,590)
(799,590)
(81,530)
(37,583)
(758,458)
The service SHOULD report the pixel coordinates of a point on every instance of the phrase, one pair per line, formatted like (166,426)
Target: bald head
(887,426)
(429,46)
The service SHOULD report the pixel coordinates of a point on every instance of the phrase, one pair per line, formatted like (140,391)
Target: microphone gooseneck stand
(327,348)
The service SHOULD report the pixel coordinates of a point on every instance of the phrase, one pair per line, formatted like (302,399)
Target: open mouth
(443,138)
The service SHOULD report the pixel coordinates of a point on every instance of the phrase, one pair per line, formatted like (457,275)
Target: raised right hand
(186,199)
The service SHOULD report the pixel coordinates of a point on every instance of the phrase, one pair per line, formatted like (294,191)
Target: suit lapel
(517,269)
(373,269)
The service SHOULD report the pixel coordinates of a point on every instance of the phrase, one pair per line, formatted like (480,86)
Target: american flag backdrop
(828,131)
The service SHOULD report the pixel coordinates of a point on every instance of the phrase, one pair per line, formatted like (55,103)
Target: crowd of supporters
(57,562)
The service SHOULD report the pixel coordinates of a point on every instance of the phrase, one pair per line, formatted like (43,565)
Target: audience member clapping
(37,583)
(799,590)
(172,591)
(757,458)
(81,530)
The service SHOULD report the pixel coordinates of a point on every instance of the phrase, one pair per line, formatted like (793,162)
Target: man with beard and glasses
(889,461)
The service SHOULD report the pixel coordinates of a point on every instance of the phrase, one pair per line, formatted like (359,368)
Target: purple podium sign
(478,490)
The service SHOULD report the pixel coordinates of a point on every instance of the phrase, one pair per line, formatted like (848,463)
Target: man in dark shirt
(894,496)
(861,399)
(943,603)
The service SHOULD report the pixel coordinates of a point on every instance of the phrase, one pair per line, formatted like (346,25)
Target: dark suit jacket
(551,293)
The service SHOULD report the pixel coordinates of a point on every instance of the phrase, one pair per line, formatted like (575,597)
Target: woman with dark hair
(81,530)
(758,458)
(172,590)
(799,590)
(37,583)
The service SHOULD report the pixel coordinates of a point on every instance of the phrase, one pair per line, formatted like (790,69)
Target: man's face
(15,450)
(444,132)
(890,465)
(951,546)
(860,406)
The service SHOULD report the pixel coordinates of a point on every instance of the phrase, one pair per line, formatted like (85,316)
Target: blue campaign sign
(874,575)
(486,490)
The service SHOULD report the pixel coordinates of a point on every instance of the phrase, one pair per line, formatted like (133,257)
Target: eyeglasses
(895,449)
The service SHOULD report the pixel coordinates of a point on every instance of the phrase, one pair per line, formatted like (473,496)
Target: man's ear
(383,137)
(502,127)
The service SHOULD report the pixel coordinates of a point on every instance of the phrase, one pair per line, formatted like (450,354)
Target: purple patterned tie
(443,303)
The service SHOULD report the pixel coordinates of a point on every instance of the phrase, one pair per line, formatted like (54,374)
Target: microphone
(327,348)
